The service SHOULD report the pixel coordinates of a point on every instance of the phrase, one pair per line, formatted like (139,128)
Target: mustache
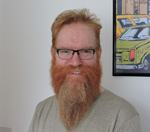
(69,69)
(59,70)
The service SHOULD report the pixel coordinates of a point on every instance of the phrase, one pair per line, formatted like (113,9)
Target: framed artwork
(131,37)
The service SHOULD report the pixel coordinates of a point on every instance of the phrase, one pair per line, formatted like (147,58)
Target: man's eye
(86,51)
(64,51)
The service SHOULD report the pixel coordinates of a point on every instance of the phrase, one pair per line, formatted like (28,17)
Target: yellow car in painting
(125,21)
(133,48)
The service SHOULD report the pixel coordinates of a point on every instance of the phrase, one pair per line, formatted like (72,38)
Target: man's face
(76,36)
(76,82)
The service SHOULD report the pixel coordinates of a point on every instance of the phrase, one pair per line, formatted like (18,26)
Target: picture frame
(131,38)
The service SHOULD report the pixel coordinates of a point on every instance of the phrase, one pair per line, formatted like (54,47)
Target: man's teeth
(76,72)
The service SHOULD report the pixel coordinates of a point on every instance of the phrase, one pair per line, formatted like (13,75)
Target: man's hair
(74,16)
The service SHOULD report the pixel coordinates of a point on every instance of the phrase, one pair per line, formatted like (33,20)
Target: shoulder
(116,111)
(46,105)
(44,109)
(116,105)
(118,101)
(127,118)
(48,100)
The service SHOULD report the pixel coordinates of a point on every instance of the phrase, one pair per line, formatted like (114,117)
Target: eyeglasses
(84,54)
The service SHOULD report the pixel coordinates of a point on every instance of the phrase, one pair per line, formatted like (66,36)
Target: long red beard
(75,94)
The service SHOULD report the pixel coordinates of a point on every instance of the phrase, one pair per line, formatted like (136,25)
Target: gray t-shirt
(109,113)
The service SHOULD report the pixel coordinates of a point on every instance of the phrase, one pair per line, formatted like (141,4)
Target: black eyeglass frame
(94,50)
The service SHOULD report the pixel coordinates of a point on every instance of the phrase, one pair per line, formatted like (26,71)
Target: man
(80,103)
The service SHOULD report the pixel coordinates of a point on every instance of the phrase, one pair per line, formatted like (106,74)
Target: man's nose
(76,60)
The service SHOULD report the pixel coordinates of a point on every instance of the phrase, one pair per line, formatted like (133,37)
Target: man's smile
(76,72)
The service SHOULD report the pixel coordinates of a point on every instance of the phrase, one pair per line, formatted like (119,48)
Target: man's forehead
(76,35)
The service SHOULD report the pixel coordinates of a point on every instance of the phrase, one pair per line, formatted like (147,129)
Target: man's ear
(52,51)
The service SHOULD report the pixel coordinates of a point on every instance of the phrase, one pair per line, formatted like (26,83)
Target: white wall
(25,40)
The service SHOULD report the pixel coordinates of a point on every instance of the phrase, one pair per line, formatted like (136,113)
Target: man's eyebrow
(88,47)
(63,47)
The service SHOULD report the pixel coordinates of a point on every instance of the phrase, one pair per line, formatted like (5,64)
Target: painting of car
(133,49)
(125,21)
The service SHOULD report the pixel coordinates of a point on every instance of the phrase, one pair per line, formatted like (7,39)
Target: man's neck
(101,89)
